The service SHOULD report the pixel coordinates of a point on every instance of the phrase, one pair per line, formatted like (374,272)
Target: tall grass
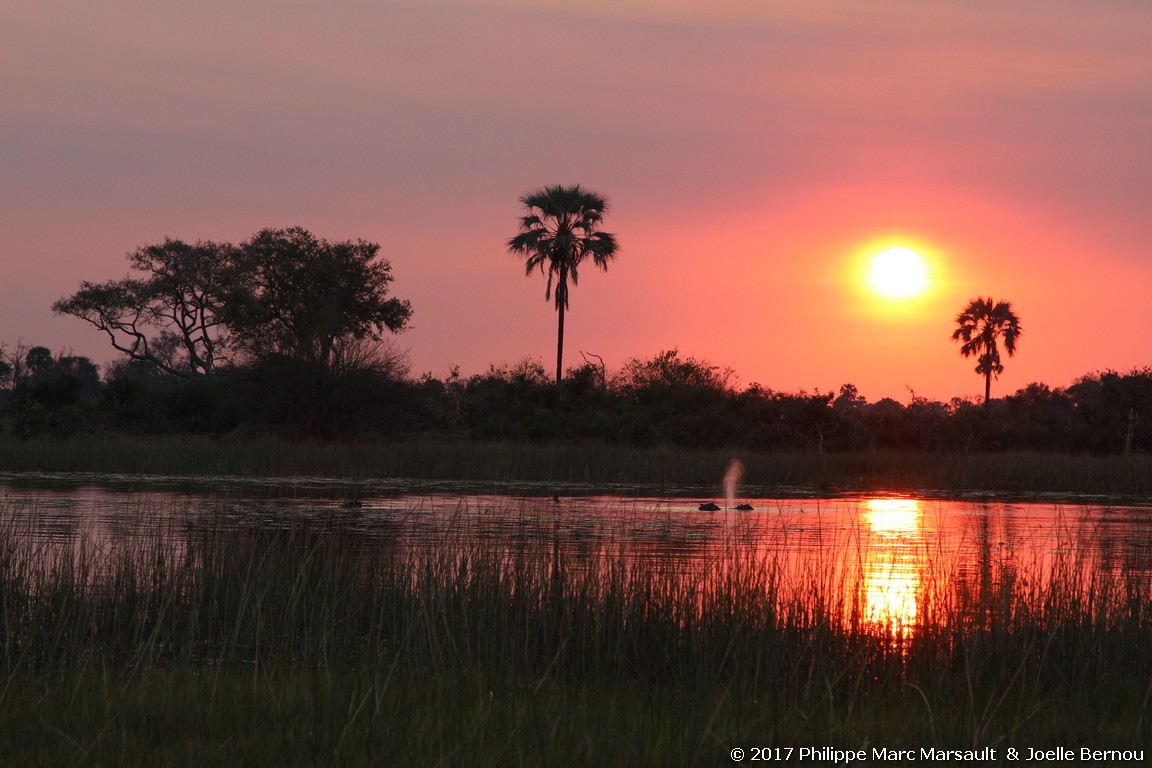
(592,464)
(293,643)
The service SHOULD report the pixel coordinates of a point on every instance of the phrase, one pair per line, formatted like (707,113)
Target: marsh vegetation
(563,468)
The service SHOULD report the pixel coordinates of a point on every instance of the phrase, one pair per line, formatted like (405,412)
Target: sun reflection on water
(892,564)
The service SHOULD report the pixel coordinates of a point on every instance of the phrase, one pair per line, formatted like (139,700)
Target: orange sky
(749,152)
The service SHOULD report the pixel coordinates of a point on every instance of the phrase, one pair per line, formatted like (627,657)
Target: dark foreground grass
(595,465)
(283,644)
(382,716)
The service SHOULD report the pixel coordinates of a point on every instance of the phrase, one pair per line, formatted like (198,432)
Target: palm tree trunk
(987,387)
(561,303)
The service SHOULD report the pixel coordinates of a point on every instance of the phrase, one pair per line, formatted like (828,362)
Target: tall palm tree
(560,230)
(980,326)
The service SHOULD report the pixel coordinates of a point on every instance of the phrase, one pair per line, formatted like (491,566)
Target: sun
(898,273)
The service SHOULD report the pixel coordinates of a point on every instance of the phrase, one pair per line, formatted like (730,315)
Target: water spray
(731,478)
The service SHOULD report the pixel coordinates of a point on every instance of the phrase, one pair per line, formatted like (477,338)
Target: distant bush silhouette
(668,400)
(53,394)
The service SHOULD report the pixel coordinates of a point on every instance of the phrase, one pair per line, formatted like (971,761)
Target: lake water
(888,552)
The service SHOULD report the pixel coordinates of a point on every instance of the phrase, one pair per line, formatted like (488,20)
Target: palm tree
(982,323)
(560,230)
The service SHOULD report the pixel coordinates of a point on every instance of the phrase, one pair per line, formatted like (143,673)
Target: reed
(291,642)
(590,465)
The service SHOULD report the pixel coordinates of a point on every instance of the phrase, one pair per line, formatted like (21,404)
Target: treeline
(668,400)
(289,333)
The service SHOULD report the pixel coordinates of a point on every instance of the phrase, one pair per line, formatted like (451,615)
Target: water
(889,552)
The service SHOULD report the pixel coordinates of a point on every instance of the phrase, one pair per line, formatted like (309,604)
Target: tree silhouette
(311,300)
(170,317)
(980,326)
(284,293)
(560,230)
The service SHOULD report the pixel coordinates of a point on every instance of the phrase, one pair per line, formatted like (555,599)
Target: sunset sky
(754,154)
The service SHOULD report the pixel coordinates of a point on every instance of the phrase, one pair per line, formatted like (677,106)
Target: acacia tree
(171,316)
(308,317)
(284,293)
(559,231)
(311,300)
(980,326)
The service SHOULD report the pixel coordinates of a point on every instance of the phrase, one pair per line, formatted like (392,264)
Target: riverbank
(660,470)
